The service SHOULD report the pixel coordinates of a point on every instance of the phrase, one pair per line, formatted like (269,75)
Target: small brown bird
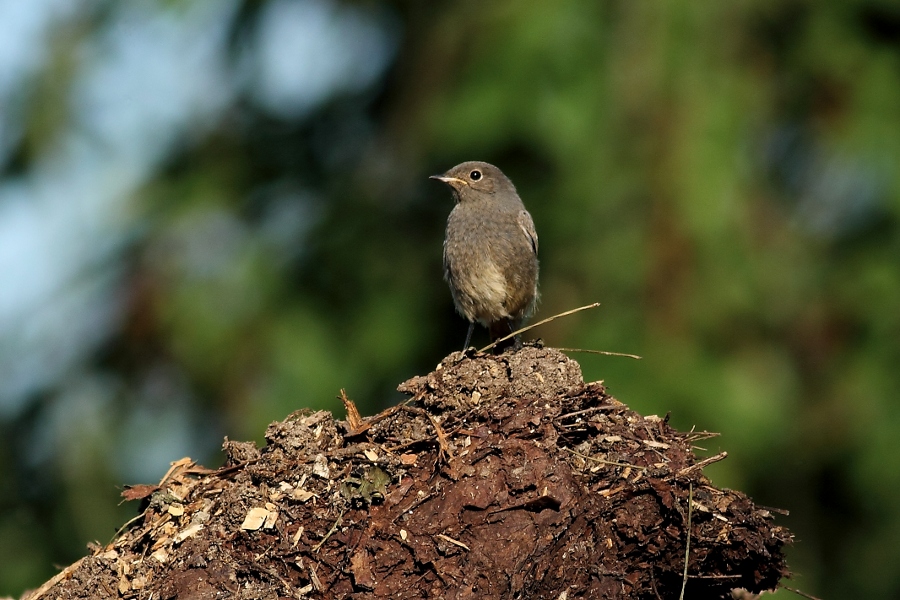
(490,250)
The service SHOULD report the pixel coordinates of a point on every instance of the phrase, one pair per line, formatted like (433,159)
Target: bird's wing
(446,263)
(527,226)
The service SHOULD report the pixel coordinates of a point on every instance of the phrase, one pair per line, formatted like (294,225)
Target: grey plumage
(490,249)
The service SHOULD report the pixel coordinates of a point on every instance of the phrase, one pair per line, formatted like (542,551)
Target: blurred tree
(215,213)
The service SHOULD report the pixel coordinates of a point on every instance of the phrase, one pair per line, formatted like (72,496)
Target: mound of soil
(501,477)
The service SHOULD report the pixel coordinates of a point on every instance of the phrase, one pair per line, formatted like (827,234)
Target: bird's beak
(449,180)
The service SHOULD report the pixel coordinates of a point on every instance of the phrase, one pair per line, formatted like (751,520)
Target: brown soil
(502,477)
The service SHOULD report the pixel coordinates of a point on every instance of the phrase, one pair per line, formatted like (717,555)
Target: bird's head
(475,179)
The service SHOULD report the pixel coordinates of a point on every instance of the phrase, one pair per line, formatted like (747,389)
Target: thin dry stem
(687,546)
(603,352)
(601,461)
(533,325)
(798,592)
(703,463)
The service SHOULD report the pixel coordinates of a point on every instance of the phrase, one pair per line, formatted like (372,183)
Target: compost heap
(500,477)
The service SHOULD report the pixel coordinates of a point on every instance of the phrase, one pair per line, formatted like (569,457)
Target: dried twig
(695,436)
(798,592)
(653,585)
(532,326)
(181,464)
(443,442)
(601,461)
(603,352)
(703,463)
(314,579)
(334,527)
(67,572)
(452,541)
(586,410)
(137,517)
(356,423)
(687,546)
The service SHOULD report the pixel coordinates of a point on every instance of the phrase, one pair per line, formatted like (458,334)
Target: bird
(490,251)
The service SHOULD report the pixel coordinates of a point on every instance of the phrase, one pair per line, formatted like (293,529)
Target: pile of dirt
(502,477)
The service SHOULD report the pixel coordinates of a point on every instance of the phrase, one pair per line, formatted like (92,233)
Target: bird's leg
(500,329)
(517,343)
(469,336)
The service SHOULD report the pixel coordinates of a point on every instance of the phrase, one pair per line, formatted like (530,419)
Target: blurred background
(213,213)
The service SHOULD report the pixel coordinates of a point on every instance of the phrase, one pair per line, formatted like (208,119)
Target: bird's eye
(475,175)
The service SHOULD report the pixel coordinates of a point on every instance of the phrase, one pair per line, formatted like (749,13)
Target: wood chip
(189,531)
(657,445)
(139,582)
(452,541)
(161,556)
(320,467)
(272,517)
(302,495)
(609,492)
(315,579)
(354,420)
(296,538)
(255,519)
